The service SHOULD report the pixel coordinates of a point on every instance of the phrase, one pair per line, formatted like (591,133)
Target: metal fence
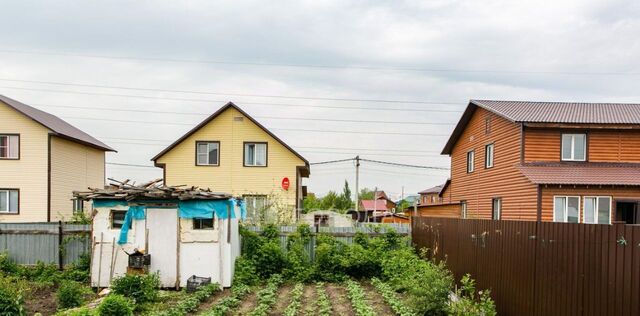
(342,234)
(51,243)
(541,268)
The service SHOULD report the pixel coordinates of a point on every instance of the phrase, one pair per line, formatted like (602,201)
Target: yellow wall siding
(73,167)
(231,176)
(29,173)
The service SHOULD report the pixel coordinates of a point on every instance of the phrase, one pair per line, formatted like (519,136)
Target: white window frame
(17,144)
(7,193)
(573,149)
(488,155)
(207,154)
(246,163)
(78,206)
(463,209)
(493,209)
(471,157)
(566,207)
(598,197)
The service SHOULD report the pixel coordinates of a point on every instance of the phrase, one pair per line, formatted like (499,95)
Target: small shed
(327,219)
(177,232)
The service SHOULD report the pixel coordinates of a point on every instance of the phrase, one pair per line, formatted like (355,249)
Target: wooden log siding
(616,192)
(519,195)
(442,210)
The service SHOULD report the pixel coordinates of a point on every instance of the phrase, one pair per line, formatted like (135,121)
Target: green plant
(358,300)
(84,311)
(71,294)
(245,272)
(7,265)
(324,305)
(11,301)
(469,302)
(191,303)
(299,266)
(267,296)
(141,288)
(296,296)
(115,305)
(392,299)
(238,291)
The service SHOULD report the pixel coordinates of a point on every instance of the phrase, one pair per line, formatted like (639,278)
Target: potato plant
(296,296)
(267,297)
(391,298)
(324,305)
(191,303)
(238,292)
(358,300)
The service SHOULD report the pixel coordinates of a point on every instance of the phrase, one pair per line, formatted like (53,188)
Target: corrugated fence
(541,268)
(30,243)
(342,234)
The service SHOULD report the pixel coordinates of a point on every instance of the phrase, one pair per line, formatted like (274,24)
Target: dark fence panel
(541,268)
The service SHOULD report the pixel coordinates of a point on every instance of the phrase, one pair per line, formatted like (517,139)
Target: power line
(331,161)
(227,93)
(317,66)
(129,165)
(403,165)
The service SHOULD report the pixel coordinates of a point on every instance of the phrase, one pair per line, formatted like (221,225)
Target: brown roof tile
(582,174)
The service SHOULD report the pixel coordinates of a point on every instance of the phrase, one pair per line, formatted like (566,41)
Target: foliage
(115,305)
(83,311)
(267,296)
(366,194)
(330,201)
(471,303)
(238,291)
(299,267)
(391,298)
(245,272)
(11,300)
(358,300)
(296,296)
(71,294)
(191,303)
(329,266)
(324,305)
(140,288)
(264,251)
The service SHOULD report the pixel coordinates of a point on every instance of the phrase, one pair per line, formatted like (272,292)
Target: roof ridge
(554,102)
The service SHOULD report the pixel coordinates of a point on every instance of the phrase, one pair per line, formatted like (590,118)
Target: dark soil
(375,299)
(211,301)
(308,304)
(248,304)
(283,300)
(42,300)
(339,300)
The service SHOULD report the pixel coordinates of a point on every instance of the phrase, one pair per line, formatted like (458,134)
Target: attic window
(238,118)
(9,146)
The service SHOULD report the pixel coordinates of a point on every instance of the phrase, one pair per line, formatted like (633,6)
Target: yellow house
(231,152)
(42,160)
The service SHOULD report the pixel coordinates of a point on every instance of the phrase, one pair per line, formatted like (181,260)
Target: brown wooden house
(545,161)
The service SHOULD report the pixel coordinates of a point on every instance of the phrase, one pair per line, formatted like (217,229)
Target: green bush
(471,303)
(141,288)
(11,301)
(115,305)
(84,311)
(71,294)
(299,266)
(7,265)
(329,259)
(245,272)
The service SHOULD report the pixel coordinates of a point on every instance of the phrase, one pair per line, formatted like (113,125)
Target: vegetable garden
(379,275)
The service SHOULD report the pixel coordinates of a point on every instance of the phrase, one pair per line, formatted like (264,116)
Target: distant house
(326,219)
(434,195)
(371,210)
(232,152)
(545,161)
(43,159)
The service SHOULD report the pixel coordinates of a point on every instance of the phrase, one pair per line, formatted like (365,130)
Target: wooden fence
(541,268)
(51,243)
(342,234)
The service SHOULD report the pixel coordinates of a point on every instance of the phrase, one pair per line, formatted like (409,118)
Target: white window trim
(463,210)
(573,144)
(597,197)
(566,207)
(255,154)
(486,155)
(471,162)
(208,142)
(493,200)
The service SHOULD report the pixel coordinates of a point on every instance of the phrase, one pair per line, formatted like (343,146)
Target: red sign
(285,183)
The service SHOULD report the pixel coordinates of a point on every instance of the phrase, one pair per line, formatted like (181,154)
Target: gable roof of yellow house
(216,114)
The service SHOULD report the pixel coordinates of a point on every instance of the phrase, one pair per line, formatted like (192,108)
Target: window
(470,161)
(321,220)
(258,209)
(78,206)
(488,156)
(496,209)
(207,153)
(203,223)
(255,154)
(9,201)
(566,209)
(463,209)
(9,147)
(597,210)
(117,219)
(574,147)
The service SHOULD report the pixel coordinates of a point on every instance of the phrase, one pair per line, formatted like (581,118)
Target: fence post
(60,246)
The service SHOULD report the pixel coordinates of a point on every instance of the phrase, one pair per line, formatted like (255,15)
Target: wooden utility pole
(357,184)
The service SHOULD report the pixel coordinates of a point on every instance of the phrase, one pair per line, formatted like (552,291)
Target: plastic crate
(139,260)
(194,282)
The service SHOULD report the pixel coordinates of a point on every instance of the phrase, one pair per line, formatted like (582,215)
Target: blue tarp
(134,212)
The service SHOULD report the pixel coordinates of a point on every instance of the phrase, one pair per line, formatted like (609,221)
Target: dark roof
(549,112)
(435,189)
(582,174)
(55,124)
(213,116)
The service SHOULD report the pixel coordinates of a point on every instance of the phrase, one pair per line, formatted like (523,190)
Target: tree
(344,201)
(329,201)
(310,203)
(366,194)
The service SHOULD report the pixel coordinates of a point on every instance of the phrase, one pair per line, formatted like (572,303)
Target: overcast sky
(428,57)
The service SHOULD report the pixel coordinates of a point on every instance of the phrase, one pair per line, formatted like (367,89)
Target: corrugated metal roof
(55,124)
(435,189)
(583,174)
(564,112)
(380,205)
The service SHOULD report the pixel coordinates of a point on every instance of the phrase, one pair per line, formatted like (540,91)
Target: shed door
(163,244)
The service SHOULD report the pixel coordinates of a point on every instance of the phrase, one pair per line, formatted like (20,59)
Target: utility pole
(375,202)
(357,188)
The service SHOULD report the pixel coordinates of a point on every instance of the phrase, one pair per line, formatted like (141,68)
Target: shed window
(496,209)
(117,219)
(9,146)
(566,209)
(574,147)
(597,210)
(9,201)
(321,220)
(207,153)
(470,159)
(255,154)
(203,223)
(488,156)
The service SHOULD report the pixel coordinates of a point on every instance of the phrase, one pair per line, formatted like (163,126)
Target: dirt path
(283,300)
(375,299)
(248,304)
(339,300)
(211,301)
(308,303)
